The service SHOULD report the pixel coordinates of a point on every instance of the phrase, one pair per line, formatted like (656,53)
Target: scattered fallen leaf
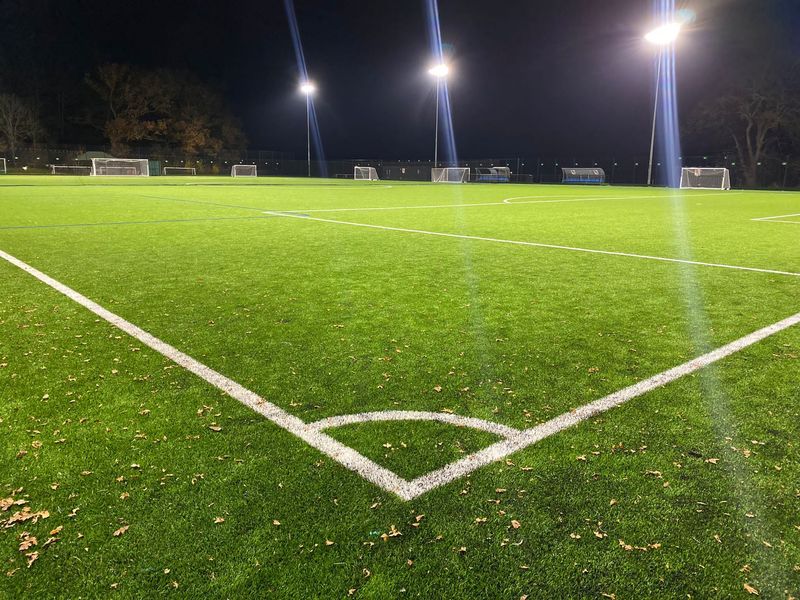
(121,531)
(750,589)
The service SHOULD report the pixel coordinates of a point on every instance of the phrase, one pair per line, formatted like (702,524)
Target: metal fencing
(772,173)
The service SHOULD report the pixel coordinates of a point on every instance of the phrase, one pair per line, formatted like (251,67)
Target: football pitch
(298,388)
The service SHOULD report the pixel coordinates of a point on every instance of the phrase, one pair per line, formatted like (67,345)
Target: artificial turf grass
(312,483)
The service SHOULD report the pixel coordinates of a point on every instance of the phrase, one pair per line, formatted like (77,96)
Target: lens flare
(307,87)
(440,70)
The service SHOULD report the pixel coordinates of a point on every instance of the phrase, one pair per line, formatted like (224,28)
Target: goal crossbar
(70,170)
(121,167)
(365,173)
(705,178)
(179,171)
(450,174)
(244,171)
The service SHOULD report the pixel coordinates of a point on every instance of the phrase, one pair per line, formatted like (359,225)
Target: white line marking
(776,217)
(413,415)
(536,200)
(530,436)
(779,219)
(533,244)
(369,470)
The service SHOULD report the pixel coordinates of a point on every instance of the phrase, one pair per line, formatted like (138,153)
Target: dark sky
(564,77)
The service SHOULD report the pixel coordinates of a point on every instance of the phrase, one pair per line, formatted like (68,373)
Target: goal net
(121,167)
(450,174)
(244,171)
(492,175)
(365,173)
(592,175)
(70,170)
(705,178)
(179,171)
(3,166)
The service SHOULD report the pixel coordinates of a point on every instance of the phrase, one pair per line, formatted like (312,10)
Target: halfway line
(533,244)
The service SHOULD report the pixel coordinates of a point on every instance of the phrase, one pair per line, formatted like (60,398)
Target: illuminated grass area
(691,489)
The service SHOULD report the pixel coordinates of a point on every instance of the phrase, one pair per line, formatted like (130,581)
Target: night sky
(566,77)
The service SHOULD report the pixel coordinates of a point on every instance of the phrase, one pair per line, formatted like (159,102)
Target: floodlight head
(439,71)
(664,35)
(308,88)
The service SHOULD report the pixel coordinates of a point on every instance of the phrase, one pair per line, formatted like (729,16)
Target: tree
(131,99)
(18,122)
(753,119)
(168,107)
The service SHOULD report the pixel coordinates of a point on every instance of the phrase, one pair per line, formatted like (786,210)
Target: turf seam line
(113,223)
(535,244)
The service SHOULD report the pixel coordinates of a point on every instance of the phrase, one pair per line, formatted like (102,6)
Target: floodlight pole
(436,139)
(308,131)
(663,36)
(655,116)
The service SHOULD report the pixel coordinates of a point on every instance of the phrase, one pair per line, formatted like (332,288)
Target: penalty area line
(478,238)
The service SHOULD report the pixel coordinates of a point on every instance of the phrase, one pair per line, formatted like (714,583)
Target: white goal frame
(120,167)
(690,178)
(3,166)
(365,174)
(70,169)
(252,171)
(181,170)
(450,174)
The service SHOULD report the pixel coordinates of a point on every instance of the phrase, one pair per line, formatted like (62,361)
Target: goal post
(450,174)
(365,174)
(583,175)
(244,171)
(705,178)
(3,166)
(70,170)
(179,171)
(121,167)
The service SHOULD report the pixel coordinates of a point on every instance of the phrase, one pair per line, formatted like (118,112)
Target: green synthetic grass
(691,490)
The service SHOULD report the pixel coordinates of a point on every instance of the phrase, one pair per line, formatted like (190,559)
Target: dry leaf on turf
(750,589)
(27,543)
(120,531)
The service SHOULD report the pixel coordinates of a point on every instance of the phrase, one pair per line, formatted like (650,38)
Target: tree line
(128,106)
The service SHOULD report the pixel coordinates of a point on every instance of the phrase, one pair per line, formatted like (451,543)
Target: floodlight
(440,71)
(664,35)
(308,88)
